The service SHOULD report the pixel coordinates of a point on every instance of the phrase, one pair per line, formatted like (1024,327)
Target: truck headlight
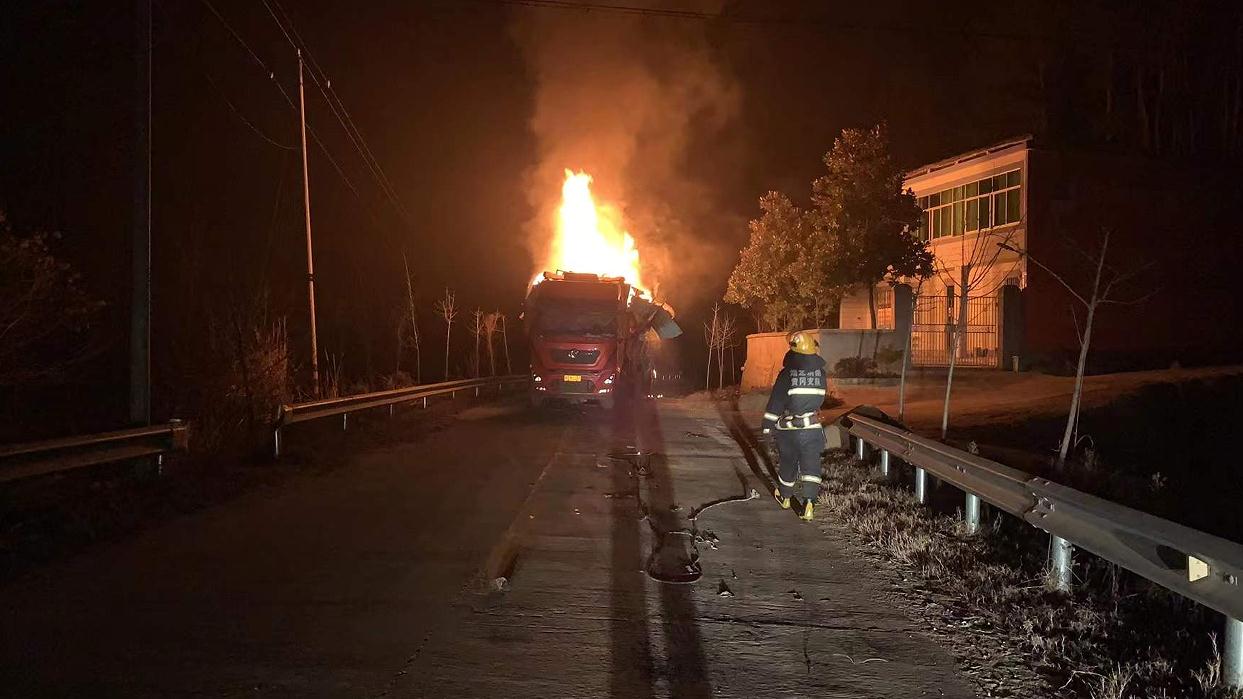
(536,378)
(609,380)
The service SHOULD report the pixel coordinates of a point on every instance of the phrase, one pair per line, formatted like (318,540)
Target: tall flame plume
(590,238)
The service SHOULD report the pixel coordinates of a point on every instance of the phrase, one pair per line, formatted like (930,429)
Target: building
(1175,225)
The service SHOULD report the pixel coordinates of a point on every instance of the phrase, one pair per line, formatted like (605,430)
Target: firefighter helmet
(804,341)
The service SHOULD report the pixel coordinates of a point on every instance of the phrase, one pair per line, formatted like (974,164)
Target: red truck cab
(578,328)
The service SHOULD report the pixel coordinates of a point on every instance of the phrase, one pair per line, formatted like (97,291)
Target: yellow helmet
(805,341)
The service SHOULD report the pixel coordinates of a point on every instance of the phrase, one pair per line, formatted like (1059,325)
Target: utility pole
(310,258)
(140,299)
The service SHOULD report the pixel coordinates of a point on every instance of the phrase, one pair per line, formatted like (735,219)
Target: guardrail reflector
(1196,569)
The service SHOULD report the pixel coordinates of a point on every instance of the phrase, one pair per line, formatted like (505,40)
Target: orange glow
(589,237)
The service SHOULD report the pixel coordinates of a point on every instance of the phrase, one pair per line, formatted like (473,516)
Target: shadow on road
(635,426)
(758,459)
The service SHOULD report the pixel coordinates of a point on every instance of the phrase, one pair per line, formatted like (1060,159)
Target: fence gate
(932,333)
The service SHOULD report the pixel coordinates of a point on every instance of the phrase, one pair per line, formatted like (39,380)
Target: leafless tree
(509,368)
(1106,283)
(477,329)
(977,270)
(727,333)
(711,331)
(408,330)
(491,326)
(447,308)
(906,350)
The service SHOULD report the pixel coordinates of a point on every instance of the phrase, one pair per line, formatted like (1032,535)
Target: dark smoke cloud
(646,106)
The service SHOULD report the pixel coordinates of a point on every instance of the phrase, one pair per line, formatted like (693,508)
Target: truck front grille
(575,356)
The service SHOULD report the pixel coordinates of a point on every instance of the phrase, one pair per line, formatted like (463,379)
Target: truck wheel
(537,401)
(607,402)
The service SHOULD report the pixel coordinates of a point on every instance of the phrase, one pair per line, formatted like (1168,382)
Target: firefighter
(791,419)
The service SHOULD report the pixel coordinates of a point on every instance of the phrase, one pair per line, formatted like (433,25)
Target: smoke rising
(645,106)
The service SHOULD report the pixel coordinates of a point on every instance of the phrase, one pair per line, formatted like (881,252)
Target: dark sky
(445,93)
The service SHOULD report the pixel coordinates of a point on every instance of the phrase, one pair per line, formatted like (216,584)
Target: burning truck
(588,337)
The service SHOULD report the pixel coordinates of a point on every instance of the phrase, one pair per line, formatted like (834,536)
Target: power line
(289,100)
(320,78)
(242,117)
(772,20)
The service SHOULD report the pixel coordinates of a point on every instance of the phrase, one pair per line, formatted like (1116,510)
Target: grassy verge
(1117,636)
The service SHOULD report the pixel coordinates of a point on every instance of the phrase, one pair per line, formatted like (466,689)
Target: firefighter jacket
(797,394)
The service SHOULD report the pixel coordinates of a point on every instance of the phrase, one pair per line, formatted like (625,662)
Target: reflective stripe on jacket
(797,393)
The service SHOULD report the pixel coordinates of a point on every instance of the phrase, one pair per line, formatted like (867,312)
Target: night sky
(446,95)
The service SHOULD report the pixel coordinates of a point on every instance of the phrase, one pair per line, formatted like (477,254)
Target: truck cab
(578,327)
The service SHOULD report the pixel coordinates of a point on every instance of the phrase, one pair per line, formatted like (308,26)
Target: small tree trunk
(872,305)
(448,327)
(960,328)
(509,368)
(906,358)
(1073,418)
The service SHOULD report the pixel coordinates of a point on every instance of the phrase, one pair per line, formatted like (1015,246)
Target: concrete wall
(853,313)
(765,352)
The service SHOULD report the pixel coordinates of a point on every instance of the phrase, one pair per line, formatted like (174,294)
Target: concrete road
(379,579)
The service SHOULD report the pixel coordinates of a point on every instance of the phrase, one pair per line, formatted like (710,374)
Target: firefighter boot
(808,511)
(784,502)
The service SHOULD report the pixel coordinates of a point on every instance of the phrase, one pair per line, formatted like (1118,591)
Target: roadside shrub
(397,379)
(240,398)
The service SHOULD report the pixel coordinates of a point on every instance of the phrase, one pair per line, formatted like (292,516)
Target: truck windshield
(577,317)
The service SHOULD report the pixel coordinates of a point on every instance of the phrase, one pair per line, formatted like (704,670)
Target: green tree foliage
(774,278)
(859,232)
(869,219)
(44,313)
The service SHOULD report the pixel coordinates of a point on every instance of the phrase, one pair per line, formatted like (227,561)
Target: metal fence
(39,458)
(294,413)
(932,332)
(1196,565)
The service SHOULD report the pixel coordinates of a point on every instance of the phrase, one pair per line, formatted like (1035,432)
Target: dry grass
(1116,636)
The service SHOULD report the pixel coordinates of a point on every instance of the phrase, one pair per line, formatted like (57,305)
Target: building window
(976,206)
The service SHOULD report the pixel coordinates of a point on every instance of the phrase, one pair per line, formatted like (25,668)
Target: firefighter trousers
(798,457)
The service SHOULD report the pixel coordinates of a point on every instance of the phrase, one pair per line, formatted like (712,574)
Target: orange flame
(590,238)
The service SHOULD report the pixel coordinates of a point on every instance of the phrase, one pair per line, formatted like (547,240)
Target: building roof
(969,155)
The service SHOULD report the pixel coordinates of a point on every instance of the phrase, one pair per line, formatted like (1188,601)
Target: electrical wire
(242,117)
(774,20)
(320,78)
(289,100)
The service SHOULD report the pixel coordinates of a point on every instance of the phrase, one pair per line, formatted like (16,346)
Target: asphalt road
(380,578)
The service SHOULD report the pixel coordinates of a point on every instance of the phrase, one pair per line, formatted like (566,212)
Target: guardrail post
(345,421)
(884,462)
(276,442)
(921,485)
(1232,655)
(476,391)
(1060,562)
(425,402)
(860,449)
(971,513)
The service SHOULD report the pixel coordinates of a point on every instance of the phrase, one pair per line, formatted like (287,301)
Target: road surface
(383,578)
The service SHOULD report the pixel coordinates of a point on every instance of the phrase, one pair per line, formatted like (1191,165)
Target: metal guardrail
(294,413)
(53,455)
(1205,568)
